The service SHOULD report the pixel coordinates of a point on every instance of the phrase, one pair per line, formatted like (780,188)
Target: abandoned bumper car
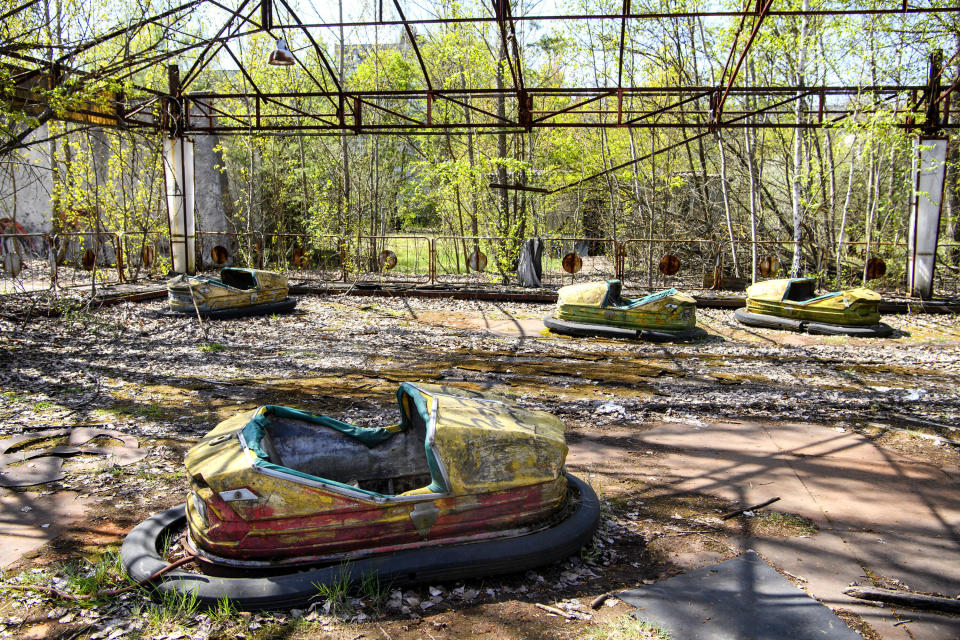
(238,292)
(792,304)
(284,500)
(596,309)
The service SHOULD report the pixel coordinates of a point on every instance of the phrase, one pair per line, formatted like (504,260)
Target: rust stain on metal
(387,259)
(669,264)
(89,259)
(219,254)
(477,260)
(769,266)
(876,268)
(572,263)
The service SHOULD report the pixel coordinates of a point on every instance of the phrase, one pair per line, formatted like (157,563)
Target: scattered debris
(905,598)
(748,510)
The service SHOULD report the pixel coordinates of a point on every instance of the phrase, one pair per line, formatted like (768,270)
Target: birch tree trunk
(726,202)
(846,208)
(797,190)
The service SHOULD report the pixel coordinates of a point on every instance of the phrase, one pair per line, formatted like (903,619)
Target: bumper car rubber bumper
(141,559)
(766,321)
(583,330)
(282,306)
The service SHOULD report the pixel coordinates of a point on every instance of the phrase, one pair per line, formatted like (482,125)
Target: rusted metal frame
(674,145)
(43,67)
(699,117)
(148,103)
(501,9)
(481,129)
(413,43)
(246,75)
(736,40)
(589,92)
(26,98)
(465,105)
(218,113)
(924,89)
(498,15)
(488,128)
(623,38)
(419,123)
(950,89)
(644,116)
(296,110)
(517,59)
(132,70)
(414,130)
(552,114)
(197,66)
(743,54)
(116,32)
(318,50)
(337,132)
(633,16)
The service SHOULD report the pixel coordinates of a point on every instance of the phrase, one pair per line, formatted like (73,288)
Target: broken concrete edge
(46,464)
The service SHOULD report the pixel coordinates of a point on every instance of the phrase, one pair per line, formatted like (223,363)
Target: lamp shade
(281,56)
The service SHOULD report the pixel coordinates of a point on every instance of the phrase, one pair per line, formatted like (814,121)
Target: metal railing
(393,259)
(35,261)
(305,257)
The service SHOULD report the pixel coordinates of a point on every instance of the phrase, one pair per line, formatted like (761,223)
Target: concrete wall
(25,195)
(31,175)
(212,188)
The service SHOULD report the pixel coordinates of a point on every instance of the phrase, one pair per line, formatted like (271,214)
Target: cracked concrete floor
(880,513)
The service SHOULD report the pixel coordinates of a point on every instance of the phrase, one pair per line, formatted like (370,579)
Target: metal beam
(718,108)
(413,43)
(653,15)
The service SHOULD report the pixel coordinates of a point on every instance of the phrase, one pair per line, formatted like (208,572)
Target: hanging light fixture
(281,56)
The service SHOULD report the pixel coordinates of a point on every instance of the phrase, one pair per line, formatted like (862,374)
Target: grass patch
(782,525)
(373,590)
(334,593)
(88,578)
(627,628)
(173,609)
(211,347)
(111,470)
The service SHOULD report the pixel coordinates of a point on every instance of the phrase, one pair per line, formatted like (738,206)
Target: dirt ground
(167,381)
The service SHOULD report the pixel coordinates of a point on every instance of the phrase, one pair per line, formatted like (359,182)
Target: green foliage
(110,181)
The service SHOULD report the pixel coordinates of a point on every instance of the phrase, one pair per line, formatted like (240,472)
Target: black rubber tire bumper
(766,321)
(141,559)
(584,330)
(283,306)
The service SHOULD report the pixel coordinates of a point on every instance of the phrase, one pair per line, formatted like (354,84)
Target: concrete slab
(742,599)
(28,521)
(878,511)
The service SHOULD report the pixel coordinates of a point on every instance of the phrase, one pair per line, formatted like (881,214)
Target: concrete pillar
(180,189)
(924,227)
